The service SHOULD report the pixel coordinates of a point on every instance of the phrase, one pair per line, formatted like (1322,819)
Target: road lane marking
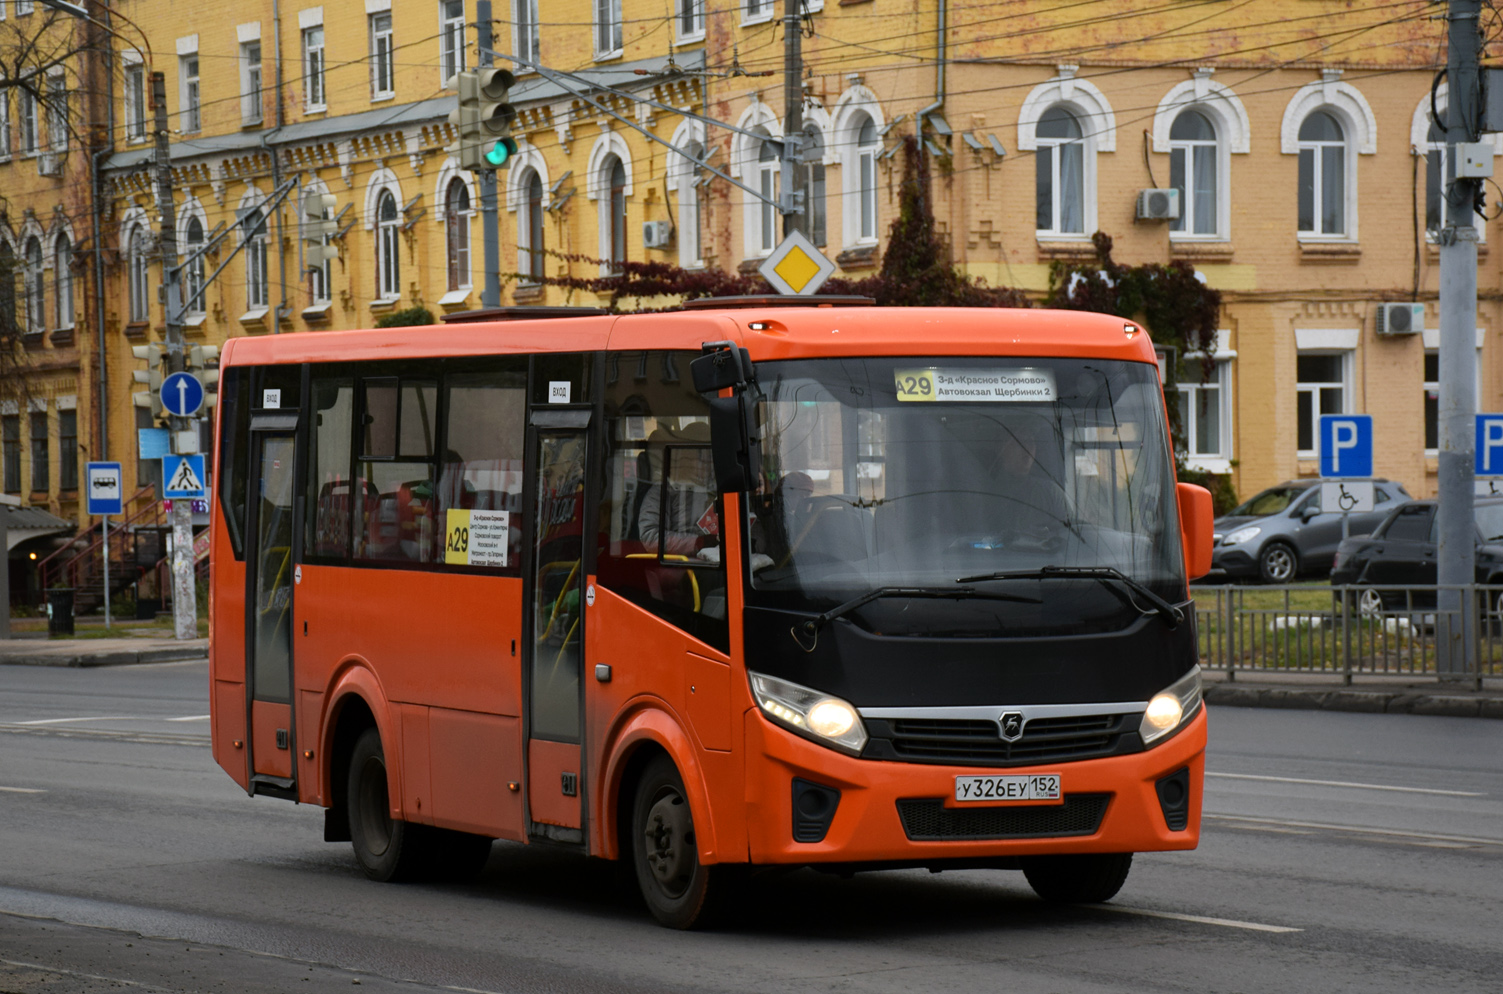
(23,790)
(1348,783)
(1424,837)
(63,721)
(60,971)
(1197,919)
(191,717)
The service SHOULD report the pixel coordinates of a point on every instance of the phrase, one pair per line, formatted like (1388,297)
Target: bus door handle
(602,673)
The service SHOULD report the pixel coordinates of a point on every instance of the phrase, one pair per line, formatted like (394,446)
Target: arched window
(530,227)
(814,183)
(868,147)
(1192,171)
(388,262)
(140,275)
(1440,173)
(257,290)
(457,232)
(689,214)
(7,290)
(62,280)
(193,283)
(36,313)
(1323,182)
(767,184)
(1060,179)
(613,213)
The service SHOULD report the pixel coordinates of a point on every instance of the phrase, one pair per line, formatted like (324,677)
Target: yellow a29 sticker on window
(914,384)
(476,538)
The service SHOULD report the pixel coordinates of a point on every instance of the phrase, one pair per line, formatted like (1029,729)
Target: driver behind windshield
(1036,502)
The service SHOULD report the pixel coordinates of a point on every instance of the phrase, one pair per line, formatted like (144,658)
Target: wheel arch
(356,702)
(644,734)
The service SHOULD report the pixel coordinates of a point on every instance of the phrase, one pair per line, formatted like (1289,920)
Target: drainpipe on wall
(939,67)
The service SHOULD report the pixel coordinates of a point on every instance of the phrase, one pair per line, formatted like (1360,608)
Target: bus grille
(979,742)
(928,820)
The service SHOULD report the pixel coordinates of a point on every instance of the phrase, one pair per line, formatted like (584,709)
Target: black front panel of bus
(871,670)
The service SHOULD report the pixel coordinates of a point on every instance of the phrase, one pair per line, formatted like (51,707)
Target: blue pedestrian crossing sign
(1489,458)
(183,477)
(106,494)
(182,394)
(1346,445)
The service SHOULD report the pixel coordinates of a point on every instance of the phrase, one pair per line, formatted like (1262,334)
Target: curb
(1363,701)
(118,658)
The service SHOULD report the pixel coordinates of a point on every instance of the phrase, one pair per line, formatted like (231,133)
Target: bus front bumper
(870,826)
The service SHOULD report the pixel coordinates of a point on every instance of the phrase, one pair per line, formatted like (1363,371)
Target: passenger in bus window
(779,521)
(1036,501)
(689,524)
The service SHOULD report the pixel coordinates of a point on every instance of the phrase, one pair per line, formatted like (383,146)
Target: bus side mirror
(1195,516)
(733,434)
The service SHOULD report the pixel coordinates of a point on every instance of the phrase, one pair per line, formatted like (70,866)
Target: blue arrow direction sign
(183,477)
(106,495)
(1346,445)
(182,395)
(1489,457)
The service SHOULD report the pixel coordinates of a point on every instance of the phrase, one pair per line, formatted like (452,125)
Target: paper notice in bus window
(476,538)
(985,386)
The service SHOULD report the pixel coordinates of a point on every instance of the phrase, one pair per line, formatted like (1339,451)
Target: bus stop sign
(105,493)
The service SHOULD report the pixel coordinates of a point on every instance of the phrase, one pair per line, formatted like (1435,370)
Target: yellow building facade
(1295,133)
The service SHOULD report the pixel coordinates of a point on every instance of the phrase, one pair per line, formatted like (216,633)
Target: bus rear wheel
(676,886)
(1085,878)
(386,848)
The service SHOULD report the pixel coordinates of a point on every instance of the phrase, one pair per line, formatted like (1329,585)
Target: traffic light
(197,359)
(318,227)
(483,120)
(155,357)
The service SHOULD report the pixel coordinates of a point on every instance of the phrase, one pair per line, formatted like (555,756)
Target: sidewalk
(1369,695)
(99,652)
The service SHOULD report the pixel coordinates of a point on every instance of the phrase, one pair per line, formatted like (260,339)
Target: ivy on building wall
(406,318)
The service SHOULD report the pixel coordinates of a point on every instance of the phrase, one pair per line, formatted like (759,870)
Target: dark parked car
(1401,550)
(1283,531)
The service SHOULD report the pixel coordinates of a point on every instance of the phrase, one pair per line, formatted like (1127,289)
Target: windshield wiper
(811,627)
(1171,614)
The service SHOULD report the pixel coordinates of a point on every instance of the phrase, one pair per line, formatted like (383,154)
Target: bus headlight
(1171,707)
(814,715)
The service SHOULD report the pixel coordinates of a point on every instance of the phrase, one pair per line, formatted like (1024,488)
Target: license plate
(1034,787)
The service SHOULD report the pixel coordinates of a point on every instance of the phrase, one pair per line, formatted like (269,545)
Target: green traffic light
(504,149)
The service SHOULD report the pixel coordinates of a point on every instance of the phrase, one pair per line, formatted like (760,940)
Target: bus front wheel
(1085,878)
(676,886)
(386,848)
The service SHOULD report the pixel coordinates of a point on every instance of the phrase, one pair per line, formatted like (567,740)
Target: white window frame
(866,228)
(139,274)
(257,279)
(457,228)
(383,56)
(62,280)
(193,274)
(315,75)
(1087,180)
(388,249)
(606,204)
(767,174)
(1310,393)
(190,98)
(1098,126)
(252,82)
(688,182)
(1186,148)
(24,7)
(1431,338)
(608,29)
(528,264)
(57,113)
(692,14)
(1221,460)
(452,42)
(5,148)
(31,124)
(1320,152)
(524,32)
(1359,127)
(757,11)
(33,289)
(134,94)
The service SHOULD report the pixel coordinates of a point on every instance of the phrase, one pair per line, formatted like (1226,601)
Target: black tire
(386,848)
(1088,878)
(677,888)
(1277,563)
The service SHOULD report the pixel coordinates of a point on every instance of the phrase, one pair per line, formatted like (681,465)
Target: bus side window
(480,474)
(235,465)
(660,519)
(332,490)
(394,486)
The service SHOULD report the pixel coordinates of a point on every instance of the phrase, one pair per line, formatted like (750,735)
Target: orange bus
(762,582)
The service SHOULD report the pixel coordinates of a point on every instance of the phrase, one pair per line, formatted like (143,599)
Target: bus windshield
(915,472)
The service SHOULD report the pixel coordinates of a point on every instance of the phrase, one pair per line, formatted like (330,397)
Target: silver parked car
(1284,532)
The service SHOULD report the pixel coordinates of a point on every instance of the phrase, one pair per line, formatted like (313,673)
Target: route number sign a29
(476,538)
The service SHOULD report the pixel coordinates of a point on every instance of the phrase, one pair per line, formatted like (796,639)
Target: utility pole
(184,601)
(794,172)
(490,292)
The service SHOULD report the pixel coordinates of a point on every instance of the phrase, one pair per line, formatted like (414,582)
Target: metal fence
(1350,631)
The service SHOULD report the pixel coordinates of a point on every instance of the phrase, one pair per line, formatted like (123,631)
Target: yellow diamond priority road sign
(796,267)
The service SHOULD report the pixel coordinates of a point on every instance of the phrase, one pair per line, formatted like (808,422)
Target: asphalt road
(1341,852)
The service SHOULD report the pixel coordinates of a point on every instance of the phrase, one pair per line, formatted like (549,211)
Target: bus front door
(558,443)
(270,580)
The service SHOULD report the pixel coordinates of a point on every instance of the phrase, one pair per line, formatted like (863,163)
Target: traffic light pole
(184,599)
(793,170)
(1456,557)
(490,293)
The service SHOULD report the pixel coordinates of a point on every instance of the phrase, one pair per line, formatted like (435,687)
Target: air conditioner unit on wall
(656,234)
(1401,319)
(1158,205)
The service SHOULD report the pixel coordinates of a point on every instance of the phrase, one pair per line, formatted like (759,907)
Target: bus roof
(769,333)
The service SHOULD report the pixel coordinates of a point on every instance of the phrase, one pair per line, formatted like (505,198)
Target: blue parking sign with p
(1489,458)
(1346,445)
